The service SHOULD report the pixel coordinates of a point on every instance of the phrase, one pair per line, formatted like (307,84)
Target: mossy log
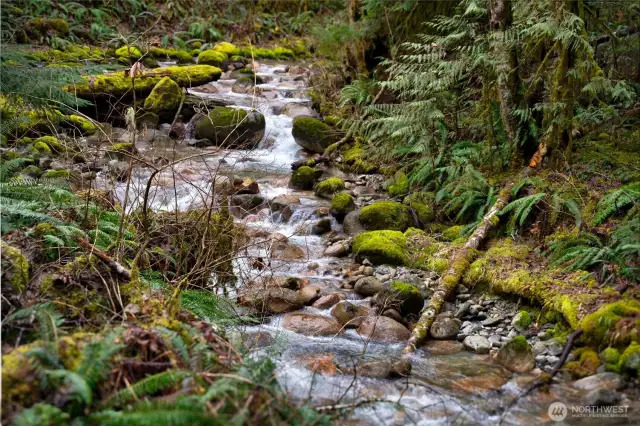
(459,263)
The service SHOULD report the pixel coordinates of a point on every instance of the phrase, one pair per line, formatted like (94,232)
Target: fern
(74,384)
(617,201)
(97,360)
(208,306)
(48,317)
(148,386)
(522,207)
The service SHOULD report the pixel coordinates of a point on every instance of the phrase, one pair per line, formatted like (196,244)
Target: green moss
(385,215)
(328,187)
(211,57)
(41,148)
(181,56)
(32,171)
(381,247)
(165,96)
(332,120)
(118,84)
(519,344)
(600,326)
(248,80)
(586,363)
(261,52)
(303,178)
(127,52)
(452,233)
(232,127)
(15,267)
(19,381)
(56,174)
(225,47)
(630,360)
(312,134)
(85,125)
(524,320)
(610,356)
(354,157)
(42,26)
(341,204)
(53,144)
(399,185)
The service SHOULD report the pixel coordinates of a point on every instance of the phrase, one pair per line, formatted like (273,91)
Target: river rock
(479,384)
(477,344)
(600,381)
(403,297)
(246,203)
(337,249)
(312,134)
(349,315)
(282,201)
(516,355)
(445,327)
(601,397)
(322,226)
(383,369)
(272,300)
(383,329)
(286,251)
(311,325)
(309,294)
(351,223)
(328,300)
(295,110)
(368,286)
(231,127)
(248,186)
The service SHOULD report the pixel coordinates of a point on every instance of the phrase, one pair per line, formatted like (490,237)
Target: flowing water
(445,386)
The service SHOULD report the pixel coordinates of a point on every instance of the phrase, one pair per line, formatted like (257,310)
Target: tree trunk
(460,261)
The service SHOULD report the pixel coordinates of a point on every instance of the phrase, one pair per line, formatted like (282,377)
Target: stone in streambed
(600,381)
(282,201)
(516,355)
(303,178)
(337,249)
(383,215)
(477,344)
(322,226)
(349,315)
(328,300)
(286,251)
(368,286)
(351,224)
(329,187)
(311,325)
(272,300)
(403,297)
(383,329)
(232,127)
(445,327)
(381,369)
(309,294)
(247,186)
(341,204)
(164,98)
(313,135)
(246,203)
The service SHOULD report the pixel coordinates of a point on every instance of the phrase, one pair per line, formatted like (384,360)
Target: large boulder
(403,297)
(164,98)
(341,204)
(388,247)
(313,135)
(212,57)
(386,215)
(383,329)
(311,325)
(516,355)
(351,224)
(231,127)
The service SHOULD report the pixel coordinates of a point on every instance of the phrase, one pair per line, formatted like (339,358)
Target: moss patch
(15,267)
(452,233)
(385,215)
(381,247)
(610,323)
(303,178)
(313,135)
(165,96)
(328,187)
(355,159)
(630,360)
(341,204)
(85,126)
(211,57)
(586,363)
(127,52)
(399,185)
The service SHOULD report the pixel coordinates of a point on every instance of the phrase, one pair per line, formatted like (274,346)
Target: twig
(115,266)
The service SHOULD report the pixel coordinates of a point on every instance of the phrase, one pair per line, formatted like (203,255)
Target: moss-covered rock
(421,203)
(610,357)
(385,215)
(225,47)
(329,187)
(313,135)
(81,124)
(381,247)
(452,233)
(232,127)
(43,26)
(15,267)
(355,159)
(601,326)
(117,84)
(341,204)
(586,363)
(522,320)
(181,56)
(516,355)
(57,174)
(303,178)
(630,360)
(164,97)
(399,185)
(32,171)
(401,296)
(128,52)
(52,142)
(212,57)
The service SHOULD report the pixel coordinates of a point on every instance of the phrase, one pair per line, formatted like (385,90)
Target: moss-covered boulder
(354,158)
(341,204)
(329,187)
(586,363)
(303,178)
(421,203)
(452,233)
(232,127)
(313,135)
(40,27)
(181,56)
(165,97)
(119,84)
(601,326)
(381,247)
(399,185)
(128,52)
(212,57)
(630,360)
(403,297)
(385,215)
(516,355)
(81,124)
(225,47)
(53,144)
(15,267)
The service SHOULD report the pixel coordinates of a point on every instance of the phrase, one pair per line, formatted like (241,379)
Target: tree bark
(460,261)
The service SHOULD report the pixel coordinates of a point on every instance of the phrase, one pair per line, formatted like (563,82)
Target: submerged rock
(328,300)
(382,369)
(311,325)
(516,355)
(232,127)
(383,329)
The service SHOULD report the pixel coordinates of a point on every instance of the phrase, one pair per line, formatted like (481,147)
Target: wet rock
(303,178)
(282,201)
(601,381)
(309,294)
(295,110)
(338,249)
(368,271)
(248,186)
(445,327)
(383,329)
(382,369)
(602,397)
(311,325)
(312,134)
(351,223)
(322,364)
(403,297)
(322,226)
(477,344)
(521,321)
(257,340)
(393,314)
(231,127)
(286,251)
(490,322)
(328,300)
(442,347)
(368,286)
(516,355)
(349,315)
(272,300)
(479,384)
(463,309)
(246,203)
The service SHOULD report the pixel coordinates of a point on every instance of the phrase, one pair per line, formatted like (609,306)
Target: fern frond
(148,386)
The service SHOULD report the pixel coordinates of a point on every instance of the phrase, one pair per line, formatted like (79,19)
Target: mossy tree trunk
(459,263)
